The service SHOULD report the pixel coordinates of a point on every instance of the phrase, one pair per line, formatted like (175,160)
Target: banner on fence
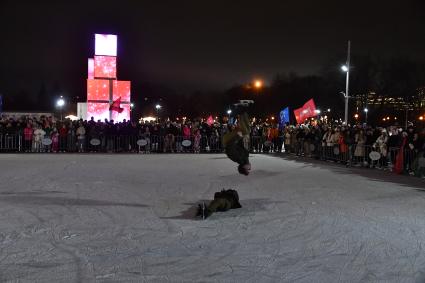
(308,110)
(284,117)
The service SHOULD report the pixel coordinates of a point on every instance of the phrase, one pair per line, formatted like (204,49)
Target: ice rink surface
(130,218)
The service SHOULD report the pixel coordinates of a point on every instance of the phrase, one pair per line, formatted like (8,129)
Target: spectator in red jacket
(28,132)
(63,137)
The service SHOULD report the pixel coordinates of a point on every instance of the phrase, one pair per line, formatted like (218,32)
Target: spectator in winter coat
(155,138)
(300,141)
(63,136)
(329,138)
(287,139)
(381,146)
(146,135)
(186,132)
(55,140)
(381,143)
(28,133)
(393,144)
(81,137)
(48,132)
(197,141)
(359,140)
(343,146)
(38,136)
(169,138)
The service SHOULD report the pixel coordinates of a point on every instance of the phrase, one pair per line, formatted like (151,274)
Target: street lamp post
(157,107)
(228,113)
(366,111)
(346,68)
(407,116)
(60,103)
(131,109)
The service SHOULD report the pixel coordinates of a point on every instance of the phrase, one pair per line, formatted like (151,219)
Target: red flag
(116,106)
(297,113)
(210,120)
(308,110)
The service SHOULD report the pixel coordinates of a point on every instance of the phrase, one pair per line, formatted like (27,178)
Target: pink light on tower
(105,67)
(105,44)
(98,90)
(100,111)
(121,89)
(90,68)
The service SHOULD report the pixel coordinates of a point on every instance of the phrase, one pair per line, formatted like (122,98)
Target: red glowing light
(105,67)
(121,89)
(97,90)
(99,111)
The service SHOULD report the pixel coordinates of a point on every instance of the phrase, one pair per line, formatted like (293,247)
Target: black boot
(202,211)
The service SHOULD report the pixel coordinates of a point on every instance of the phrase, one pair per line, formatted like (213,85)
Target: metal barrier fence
(350,155)
(10,143)
(361,155)
(105,143)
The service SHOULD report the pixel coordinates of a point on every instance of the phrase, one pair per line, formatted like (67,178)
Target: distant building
(373,100)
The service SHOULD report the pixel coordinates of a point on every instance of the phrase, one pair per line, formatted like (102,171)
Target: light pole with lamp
(228,113)
(346,68)
(131,109)
(60,103)
(366,111)
(157,107)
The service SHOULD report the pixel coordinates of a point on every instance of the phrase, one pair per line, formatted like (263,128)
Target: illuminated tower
(102,84)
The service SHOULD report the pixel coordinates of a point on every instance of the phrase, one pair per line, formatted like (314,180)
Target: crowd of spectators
(350,144)
(353,144)
(107,136)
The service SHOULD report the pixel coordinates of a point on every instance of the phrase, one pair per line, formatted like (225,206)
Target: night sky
(197,45)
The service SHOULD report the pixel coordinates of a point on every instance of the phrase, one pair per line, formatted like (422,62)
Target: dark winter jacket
(231,196)
(237,152)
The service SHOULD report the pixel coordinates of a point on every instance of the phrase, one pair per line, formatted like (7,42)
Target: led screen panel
(97,90)
(90,68)
(121,88)
(105,44)
(119,117)
(105,67)
(100,111)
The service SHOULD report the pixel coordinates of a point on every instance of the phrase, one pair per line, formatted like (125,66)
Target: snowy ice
(130,218)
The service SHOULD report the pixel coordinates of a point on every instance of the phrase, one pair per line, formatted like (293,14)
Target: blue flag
(284,117)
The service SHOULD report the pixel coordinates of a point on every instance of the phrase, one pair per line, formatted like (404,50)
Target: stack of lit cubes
(102,84)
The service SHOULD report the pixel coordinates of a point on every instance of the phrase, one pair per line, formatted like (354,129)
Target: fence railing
(350,155)
(381,157)
(107,143)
